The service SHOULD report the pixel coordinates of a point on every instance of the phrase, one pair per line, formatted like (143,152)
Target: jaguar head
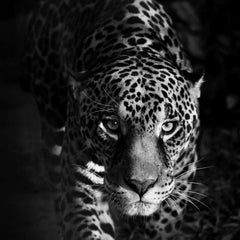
(137,123)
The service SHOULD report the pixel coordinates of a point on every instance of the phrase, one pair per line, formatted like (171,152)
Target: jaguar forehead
(141,114)
(141,95)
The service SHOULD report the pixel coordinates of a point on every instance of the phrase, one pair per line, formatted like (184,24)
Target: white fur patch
(94,166)
(91,175)
(196,91)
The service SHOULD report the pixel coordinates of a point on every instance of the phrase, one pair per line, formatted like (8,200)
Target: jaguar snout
(140,177)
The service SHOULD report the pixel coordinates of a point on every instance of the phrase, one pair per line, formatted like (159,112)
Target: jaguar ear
(195,89)
(77,82)
(196,80)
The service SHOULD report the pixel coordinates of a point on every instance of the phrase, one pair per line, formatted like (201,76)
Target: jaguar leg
(84,211)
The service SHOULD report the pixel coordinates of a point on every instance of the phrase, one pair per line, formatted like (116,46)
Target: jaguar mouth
(140,208)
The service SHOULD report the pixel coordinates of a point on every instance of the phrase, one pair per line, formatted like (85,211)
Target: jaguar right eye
(112,125)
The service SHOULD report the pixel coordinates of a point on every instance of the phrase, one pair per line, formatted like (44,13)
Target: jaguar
(118,102)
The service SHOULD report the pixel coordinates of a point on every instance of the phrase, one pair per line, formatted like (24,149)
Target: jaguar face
(137,126)
(140,175)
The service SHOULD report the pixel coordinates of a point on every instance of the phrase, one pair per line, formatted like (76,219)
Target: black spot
(165,220)
(141,41)
(144,5)
(86,234)
(132,41)
(182,93)
(154,19)
(174,213)
(132,9)
(134,85)
(182,203)
(153,234)
(143,109)
(138,108)
(128,82)
(172,81)
(93,227)
(153,6)
(123,75)
(146,13)
(147,98)
(188,128)
(128,107)
(167,209)
(119,46)
(107,228)
(152,82)
(164,87)
(146,75)
(86,212)
(134,20)
(181,110)
(164,94)
(147,118)
(187,116)
(134,73)
(157,46)
(150,112)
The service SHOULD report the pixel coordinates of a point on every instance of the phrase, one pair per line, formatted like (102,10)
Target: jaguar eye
(111,125)
(169,127)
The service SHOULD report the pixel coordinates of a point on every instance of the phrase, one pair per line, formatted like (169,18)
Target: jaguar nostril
(140,187)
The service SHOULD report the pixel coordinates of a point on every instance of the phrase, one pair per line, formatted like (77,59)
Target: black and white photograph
(120,120)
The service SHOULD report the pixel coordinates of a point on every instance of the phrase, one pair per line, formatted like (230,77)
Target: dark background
(210,31)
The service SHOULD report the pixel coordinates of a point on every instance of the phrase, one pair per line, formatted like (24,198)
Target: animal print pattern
(119,109)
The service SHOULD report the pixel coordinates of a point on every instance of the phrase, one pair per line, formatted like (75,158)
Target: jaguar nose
(140,186)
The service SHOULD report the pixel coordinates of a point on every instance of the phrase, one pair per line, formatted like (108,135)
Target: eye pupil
(113,125)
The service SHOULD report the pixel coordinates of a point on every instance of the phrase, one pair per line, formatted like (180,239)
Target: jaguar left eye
(169,127)
(111,125)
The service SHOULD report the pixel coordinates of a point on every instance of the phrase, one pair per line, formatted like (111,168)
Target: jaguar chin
(140,208)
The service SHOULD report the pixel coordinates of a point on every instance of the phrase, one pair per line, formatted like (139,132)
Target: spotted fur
(112,79)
